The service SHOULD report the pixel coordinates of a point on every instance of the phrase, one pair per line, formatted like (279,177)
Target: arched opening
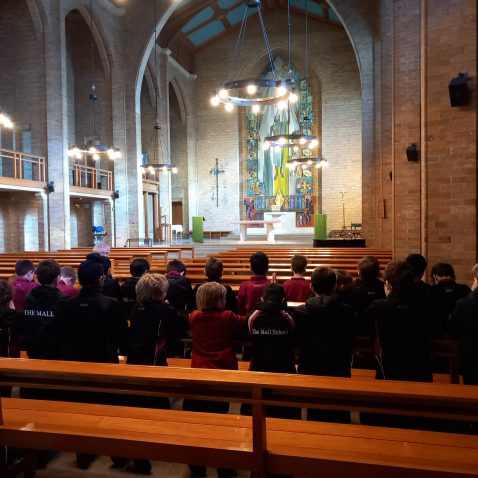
(89,121)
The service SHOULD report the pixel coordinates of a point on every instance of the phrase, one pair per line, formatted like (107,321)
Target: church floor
(64,467)
(255,243)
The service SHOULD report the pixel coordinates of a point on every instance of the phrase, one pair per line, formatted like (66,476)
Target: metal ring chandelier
(306,162)
(94,148)
(244,92)
(96,151)
(253,92)
(295,141)
(163,167)
(5,121)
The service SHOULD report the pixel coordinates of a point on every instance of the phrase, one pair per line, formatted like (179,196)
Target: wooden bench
(251,443)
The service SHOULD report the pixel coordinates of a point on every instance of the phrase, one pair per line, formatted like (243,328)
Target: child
(368,287)
(151,321)
(23,283)
(297,289)
(10,328)
(66,281)
(41,323)
(213,270)
(324,331)
(180,292)
(214,332)
(137,269)
(272,332)
(250,292)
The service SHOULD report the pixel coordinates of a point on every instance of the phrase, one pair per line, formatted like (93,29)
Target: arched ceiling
(198,23)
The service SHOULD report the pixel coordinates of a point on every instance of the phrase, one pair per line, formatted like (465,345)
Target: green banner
(198,227)
(320,226)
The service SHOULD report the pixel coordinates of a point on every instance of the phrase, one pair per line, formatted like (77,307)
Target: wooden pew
(252,443)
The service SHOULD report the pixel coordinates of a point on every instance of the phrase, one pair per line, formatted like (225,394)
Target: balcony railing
(93,178)
(19,165)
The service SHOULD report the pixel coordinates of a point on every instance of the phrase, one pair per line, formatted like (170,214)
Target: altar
(269,225)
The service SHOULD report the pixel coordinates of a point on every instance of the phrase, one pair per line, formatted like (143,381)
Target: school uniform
(21,287)
(297,289)
(250,293)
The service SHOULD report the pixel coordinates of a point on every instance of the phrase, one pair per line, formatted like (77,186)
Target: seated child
(297,289)
(66,281)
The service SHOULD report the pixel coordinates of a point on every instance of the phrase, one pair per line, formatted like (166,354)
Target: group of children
(400,315)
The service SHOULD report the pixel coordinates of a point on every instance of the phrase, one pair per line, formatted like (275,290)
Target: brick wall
(433,206)
(20,224)
(22,80)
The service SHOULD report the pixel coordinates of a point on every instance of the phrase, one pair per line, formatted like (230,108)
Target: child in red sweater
(250,291)
(297,289)
(214,332)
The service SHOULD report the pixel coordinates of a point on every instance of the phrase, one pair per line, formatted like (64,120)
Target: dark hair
(344,278)
(138,267)
(369,268)
(213,268)
(298,264)
(323,280)
(101,259)
(418,264)
(259,263)
(273,293)
(400,274)
(23,267)
(91,271)
(176,265)
(443,269)
(47,271)
(6,292)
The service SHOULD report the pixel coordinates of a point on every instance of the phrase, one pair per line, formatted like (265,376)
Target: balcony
(22,171)
(90,182)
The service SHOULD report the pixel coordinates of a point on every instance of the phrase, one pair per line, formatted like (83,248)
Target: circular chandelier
(161,155)
(151,168)
(247,93)
(96,151)
(253,92)
(303,139)
(5,121)
(295,141)
(94,148)
(306,162)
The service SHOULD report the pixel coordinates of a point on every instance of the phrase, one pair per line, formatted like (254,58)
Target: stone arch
(40,20)
(147,52)
(179,96)
(98,36)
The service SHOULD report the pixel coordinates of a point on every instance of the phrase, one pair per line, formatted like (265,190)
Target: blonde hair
(211,295)
(151,287)
(474,271)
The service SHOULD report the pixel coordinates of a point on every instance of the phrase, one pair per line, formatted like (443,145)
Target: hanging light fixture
(5,121)
(252,92)
(93,148)
(302,140)
(161,157)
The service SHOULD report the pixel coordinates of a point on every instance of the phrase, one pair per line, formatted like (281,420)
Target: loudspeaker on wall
(459,91)
(413,153)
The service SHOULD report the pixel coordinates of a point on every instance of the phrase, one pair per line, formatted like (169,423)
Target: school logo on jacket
(39,313)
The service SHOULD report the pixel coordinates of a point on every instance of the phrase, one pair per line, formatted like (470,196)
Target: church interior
(372,79)
(204,125)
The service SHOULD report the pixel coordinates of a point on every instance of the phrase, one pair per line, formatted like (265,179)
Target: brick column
(56,126)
